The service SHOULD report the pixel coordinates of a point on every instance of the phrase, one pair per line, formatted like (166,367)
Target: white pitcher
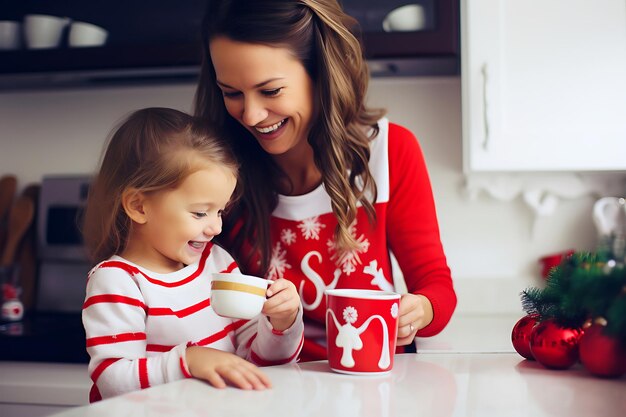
(609,215)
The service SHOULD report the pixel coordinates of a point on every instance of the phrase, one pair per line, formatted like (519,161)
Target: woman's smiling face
(267,90)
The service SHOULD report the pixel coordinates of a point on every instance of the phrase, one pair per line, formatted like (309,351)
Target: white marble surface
(470,369)
(428,384)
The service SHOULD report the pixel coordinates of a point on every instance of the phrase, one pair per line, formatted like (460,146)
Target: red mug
(549,262)
(361,330)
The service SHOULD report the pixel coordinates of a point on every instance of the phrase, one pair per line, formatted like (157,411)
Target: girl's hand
(416,312)
(282,305)
(219,368)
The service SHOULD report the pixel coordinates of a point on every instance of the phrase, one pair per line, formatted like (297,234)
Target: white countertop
(469,369)
(428,384)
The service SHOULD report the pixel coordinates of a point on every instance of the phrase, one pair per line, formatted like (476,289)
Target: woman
(329,185)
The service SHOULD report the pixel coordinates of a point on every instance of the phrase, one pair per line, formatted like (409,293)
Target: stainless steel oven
(53,331)
(63,263)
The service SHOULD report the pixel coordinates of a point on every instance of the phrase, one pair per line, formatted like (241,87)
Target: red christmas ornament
(520,336)
(554,346)
(600,354)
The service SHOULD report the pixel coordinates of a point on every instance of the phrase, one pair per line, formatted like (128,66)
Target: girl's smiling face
(267,90)
(178,223)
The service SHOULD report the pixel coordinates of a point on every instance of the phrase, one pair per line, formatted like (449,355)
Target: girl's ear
(133,204)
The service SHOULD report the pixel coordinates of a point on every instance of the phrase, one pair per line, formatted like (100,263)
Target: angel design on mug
(348,336)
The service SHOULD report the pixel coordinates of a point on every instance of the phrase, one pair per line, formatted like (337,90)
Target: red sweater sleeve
(413,231)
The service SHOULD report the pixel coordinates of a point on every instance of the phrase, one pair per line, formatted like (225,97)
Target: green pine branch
(583,287)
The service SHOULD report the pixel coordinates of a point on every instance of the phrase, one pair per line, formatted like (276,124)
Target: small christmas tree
(583,288)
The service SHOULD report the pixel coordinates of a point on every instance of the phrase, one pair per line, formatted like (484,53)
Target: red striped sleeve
(113,298)
(222,333)
(94,393)
(165,311)
(116,338)
(250,341)
(120,265)
(183,368)
(231,267)
(101,367)
(264,362)
(152,347)
(142,364)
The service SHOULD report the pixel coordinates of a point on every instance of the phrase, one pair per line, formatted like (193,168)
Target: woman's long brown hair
(322,36)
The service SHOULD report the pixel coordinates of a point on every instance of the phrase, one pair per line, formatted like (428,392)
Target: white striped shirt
(138,324)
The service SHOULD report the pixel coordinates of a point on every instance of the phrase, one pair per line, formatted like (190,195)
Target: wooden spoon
(26,256)
(20,218)
(8,185)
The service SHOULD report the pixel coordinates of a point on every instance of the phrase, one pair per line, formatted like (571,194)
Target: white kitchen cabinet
(543,85)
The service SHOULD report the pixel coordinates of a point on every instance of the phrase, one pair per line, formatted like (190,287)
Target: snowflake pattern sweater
(138,324)
(304,250)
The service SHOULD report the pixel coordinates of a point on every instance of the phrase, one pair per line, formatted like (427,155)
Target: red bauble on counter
(554,346)
(600,354)
(520,336)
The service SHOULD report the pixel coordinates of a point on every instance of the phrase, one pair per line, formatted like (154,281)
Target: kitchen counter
(40,389)
(470,368)
(44,383)
(429,384)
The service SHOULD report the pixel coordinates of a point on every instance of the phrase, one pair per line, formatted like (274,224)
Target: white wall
(492,246)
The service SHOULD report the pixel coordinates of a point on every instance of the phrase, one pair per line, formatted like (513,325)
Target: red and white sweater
(138,324)
(304,250)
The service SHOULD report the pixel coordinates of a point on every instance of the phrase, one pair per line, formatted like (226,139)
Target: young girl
(152,212)
(330,185)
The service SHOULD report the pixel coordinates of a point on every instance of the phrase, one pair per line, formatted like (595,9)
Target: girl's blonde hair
(153,149)
(322,36)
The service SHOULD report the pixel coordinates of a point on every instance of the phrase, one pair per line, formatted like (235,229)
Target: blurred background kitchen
(518,106)
(497,217)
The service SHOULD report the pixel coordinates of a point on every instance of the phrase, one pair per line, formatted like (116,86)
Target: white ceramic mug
(83,34)
(237,295)
(43,31)
(9,35)
(408,18)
